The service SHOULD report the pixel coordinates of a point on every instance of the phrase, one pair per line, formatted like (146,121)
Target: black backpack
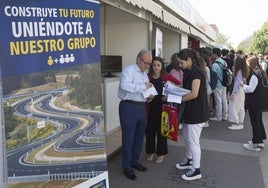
(227,75)
(213,79)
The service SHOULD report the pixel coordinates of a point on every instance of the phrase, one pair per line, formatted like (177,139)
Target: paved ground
(224,163)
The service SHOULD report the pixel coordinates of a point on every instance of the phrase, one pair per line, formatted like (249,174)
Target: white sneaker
(260,145)
(205,124)
(192,174)
(214,119)
(236,127)
(251,147)
(185,164)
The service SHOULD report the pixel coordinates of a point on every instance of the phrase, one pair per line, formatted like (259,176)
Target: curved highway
(69,138)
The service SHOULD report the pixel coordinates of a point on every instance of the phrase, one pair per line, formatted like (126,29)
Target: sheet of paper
(174,98)
(171,88)
(150,91)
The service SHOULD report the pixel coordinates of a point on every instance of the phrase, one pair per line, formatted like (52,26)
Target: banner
(47,35)
(158,43)
(50,64)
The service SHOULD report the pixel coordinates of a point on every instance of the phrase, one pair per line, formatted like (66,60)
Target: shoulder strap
(220,64)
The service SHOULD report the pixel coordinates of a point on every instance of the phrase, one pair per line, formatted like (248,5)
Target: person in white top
(263,62)
(132,112)
(255,97)
(236,106)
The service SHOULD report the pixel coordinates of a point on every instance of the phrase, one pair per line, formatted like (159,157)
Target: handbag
(169,122)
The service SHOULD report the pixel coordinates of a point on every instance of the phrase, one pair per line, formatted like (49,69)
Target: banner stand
(3,165)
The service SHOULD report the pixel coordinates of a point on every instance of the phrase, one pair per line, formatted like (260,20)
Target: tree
(259,42)
(244,45)
(222,40)
(87,86)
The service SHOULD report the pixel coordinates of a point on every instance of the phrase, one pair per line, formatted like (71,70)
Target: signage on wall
(158,43)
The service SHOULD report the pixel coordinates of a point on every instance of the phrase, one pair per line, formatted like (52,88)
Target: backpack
(213,79)
(227,75)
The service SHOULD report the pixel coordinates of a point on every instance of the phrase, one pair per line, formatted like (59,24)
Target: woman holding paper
(195,112)
(155,142)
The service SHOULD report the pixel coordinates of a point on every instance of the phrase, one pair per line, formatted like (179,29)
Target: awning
(175,22)
(148,5)
(160,13)
(169,18)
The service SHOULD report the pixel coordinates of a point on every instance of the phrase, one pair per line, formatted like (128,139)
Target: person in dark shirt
(255,96)
(195,112)
(225,57)
(155,141)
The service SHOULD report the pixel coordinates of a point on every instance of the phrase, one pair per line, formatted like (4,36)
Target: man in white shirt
(132,112)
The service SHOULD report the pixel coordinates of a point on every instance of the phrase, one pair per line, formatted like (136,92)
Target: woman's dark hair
(161,60)
(254,65)
(240,64)
(206,58)
(186,53)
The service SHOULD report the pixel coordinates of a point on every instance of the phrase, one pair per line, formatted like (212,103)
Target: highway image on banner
(55,130)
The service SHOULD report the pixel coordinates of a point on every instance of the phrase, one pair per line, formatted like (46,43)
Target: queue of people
(190,69)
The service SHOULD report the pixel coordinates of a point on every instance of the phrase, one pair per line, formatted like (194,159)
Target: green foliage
(259,42)
(11,83)
(87,86)
(40,133)
(244,46)
(10,120)
(19,135)
(221,39)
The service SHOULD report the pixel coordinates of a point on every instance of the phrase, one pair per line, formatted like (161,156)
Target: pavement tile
(224,163)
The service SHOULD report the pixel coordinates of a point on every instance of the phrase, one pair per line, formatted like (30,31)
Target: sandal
(150,157)
(160,159)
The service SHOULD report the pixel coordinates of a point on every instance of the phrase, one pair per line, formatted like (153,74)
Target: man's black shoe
(139,167)
(130,174)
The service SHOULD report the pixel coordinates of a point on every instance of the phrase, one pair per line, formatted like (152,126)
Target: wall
(125,34)
(121,34)
(110,104)
(184,41)
(171,42)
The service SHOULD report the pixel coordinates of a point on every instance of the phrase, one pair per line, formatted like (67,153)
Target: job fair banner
(39,35)
(51,81)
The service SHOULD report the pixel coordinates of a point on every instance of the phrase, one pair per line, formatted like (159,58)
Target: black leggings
(258,130)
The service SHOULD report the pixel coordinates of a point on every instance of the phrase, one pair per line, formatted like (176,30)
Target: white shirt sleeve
(263,65)
(252,84)
(208,73)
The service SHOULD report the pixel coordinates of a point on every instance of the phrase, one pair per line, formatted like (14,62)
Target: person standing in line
(158,78)
(195,112)
(227,59)
(263,62)
(202,58)
(132,112)
(255,96)
(230,65)
(220,91)
(177,73)
(236,108)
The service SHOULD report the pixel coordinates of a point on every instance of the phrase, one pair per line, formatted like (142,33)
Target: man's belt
(134,102)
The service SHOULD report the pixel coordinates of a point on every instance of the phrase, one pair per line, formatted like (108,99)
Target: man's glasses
(146,63)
